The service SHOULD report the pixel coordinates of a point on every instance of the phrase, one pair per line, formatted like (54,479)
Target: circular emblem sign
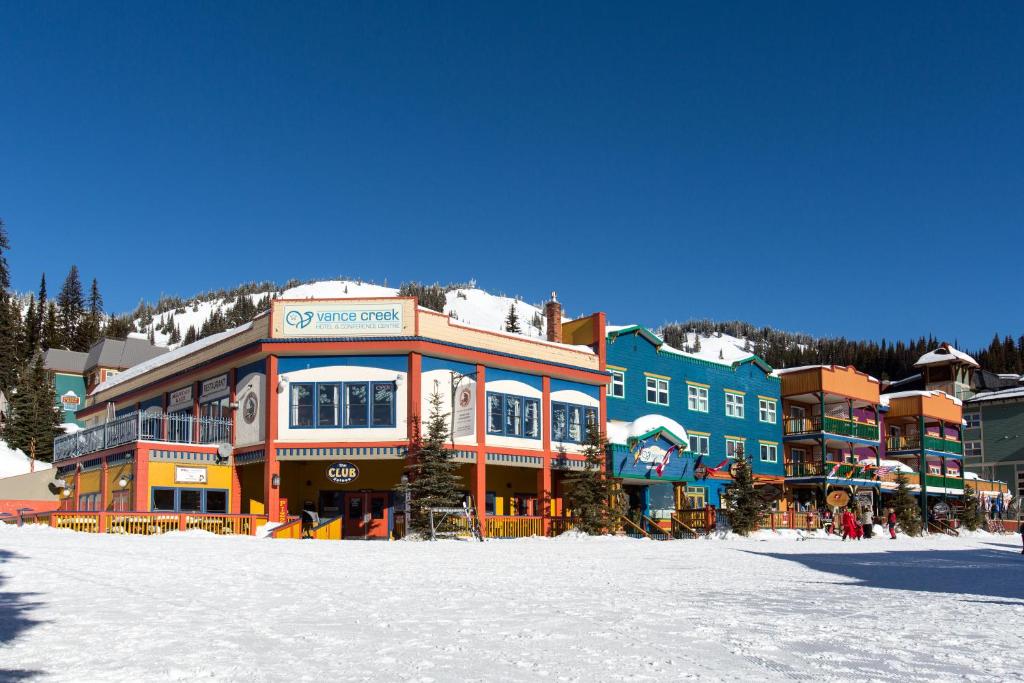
(465,396)
(342,472)
(250,404)
(770,493)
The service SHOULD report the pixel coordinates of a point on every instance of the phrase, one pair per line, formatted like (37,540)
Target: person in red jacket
(849,525)
(891,519)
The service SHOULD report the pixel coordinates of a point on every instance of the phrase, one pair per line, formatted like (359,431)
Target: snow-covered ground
(191,606)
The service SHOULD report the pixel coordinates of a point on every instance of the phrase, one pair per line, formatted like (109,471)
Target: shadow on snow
(14,619)
(979,572)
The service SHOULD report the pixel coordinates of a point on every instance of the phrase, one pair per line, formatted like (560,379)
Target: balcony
(937,480)
(931,443)
(139,426)
(843,470)
(832,425)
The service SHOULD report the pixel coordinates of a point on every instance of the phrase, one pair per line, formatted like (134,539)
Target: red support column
(415,397)
(140,480)
(480,469)
(104,485)
(78,482)
(544,490)
(236,491)
(233,400)
(271,495)
(544,495)
(163,421)
(196,388)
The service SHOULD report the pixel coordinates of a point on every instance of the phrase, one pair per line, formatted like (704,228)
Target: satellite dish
(223,452)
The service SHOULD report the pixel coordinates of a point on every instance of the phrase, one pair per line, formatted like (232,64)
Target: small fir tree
(432,474)
(512,320)
(746,506)
(589,492)
(71,310)
(908,517)
(92,323)
(971,517)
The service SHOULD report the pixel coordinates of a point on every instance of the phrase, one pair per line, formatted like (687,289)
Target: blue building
(677,420)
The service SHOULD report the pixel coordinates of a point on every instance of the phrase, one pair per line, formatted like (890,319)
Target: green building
(994,436)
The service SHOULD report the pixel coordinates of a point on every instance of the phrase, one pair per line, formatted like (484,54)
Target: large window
(570,423)
(617,387)
(697,398)
(734,404)
(336,404)
(210,501)
(767,410)
(734,448)
(972,420)
(657,391)
(510,415)
(769,452)
(700,444)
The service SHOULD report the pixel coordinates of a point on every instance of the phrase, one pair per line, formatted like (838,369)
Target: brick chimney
(553,315)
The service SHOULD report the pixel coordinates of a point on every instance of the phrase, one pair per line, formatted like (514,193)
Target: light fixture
(275,481)
(124,480)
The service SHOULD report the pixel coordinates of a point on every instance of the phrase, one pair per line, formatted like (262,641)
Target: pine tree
(190,336)
(970,516)
(512,320)
(71,308)
(433,479)
(34,415)
(10,322)
(92,324)
(589,490)
(50,335)
(175,337)
(907,514)
(746,506)
(119,327)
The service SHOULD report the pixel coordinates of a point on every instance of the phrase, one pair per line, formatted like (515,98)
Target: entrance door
(367,514)
(355,507)
(379,511)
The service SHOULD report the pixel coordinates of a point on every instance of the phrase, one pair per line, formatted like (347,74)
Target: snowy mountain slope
(471,306)
(14,462)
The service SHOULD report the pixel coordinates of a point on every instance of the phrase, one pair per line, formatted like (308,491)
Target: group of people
(992,508)
(857,523)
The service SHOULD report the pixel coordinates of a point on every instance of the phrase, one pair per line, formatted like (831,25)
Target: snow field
(189,606)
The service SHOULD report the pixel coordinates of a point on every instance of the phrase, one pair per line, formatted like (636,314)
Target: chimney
(553,315)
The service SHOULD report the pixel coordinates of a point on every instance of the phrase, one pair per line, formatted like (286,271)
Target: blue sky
(827,168)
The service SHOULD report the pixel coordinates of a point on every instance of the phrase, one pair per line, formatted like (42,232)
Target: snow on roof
(900,466)
(1015,392)
(971,475)
(944,354)
(14,462)
(907,394)
(170,357)
(801,368)
(622,432)
(722,350)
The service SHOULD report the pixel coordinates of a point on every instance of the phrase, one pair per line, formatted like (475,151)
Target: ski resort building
(316,405)
(832,433)
(678,420)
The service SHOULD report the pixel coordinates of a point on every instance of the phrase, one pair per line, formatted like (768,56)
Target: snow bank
(622,432)
(14,462)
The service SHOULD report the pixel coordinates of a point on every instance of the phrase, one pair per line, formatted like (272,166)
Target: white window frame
(696,396)
(768,407)
(968,448)
(772,448)
(703,444)
(660,387)
(736,442)
(618,381)
(967,420)
(737,405)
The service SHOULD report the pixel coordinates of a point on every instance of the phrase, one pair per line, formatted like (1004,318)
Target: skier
(891,519)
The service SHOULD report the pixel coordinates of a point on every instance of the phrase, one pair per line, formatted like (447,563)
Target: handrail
(142,426)
(655,527)
(676,520)
(633,524)
(290,529)
(329,530)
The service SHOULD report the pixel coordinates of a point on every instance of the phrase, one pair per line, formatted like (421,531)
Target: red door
(355,507)
(377,510)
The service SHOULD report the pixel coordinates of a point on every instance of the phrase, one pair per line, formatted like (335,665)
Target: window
(697,398)
(617,387)
(190,500)
(569,422)
(377,507)
(121,501)
(699,444)
(733,448)
(328,401)
(490,503)
(355,507)
(769,452)
(734,405)
(972,449)
(972,420)
(302,404)
(89,502)
(163,500)
(217,502)
(383,404)
(657,391)
(766,409)
(696,497)
(357,400)
(510,415)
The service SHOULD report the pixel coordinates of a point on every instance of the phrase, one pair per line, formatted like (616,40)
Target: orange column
(271,495)
(236,490)
(78,489)
(104,486)
(233,400)
(412,411)
(544,493)
(140,480)
(236,484)
(480,470)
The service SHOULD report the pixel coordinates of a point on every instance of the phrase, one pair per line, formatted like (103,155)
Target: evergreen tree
(50,335)
(589,490)
(119,327)
(512,320)
(908,516)
(746,506)
(190,336)
(71,308)
(10,322)
(175,337)
(92,324)
(34,417)
(433,479)
(971,518)
(29,328)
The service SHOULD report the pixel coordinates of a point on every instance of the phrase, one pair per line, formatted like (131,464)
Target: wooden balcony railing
(831,425)
(141,426)
(932,443)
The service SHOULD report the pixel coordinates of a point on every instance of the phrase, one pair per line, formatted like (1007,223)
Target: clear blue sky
(834,169)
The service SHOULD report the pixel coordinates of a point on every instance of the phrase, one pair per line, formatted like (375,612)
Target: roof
(945,353)
(886,398)
(624,433)
(68,361)
(732,354)
(1005,394)
(122,354)
(803,368)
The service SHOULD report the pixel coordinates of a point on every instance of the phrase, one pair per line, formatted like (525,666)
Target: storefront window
(356,405)
(575,424)
(163,500)
(328,404)
(513,416)
(531,419)
(559,422)
(383,404)
(217,502)
(190,500)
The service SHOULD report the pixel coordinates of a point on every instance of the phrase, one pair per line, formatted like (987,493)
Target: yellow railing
(222,525)
(514,527)
(290,529)
(88,522)
(328,531)
(152,523)
(559,525)
(143,524)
